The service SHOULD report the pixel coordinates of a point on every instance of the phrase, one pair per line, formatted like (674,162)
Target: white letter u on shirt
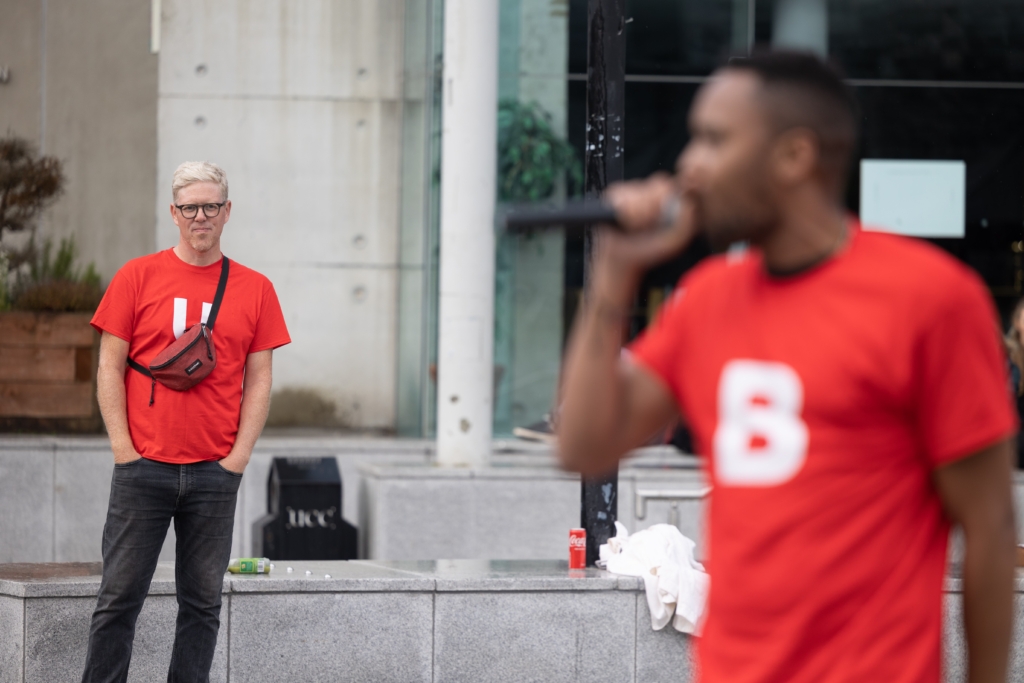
(180,309)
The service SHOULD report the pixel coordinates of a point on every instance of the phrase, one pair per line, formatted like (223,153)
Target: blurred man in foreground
(847,387)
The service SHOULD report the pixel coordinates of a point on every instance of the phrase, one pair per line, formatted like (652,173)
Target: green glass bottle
(249,565)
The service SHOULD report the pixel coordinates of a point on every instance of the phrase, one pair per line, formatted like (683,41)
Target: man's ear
(795,156)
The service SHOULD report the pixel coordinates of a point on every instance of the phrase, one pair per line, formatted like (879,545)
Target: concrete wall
(514,510)
(301,104)
(83,87)
(54,491)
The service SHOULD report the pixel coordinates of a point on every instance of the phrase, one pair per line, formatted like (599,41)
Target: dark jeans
(144,496)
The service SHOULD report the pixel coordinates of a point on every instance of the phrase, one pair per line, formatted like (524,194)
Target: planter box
(48,372)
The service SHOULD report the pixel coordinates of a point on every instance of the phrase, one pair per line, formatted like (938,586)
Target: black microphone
(575,213)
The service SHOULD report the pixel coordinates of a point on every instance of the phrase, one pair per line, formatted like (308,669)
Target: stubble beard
(201,243)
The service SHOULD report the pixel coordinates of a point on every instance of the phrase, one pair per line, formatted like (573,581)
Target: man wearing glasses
(178,455)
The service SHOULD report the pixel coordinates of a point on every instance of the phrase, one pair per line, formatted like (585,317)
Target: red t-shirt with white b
(150,302)
(824,401)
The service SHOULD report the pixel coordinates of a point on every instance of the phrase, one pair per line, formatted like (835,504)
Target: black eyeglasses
(192,210)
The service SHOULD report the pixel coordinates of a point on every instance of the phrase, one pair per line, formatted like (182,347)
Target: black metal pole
(606,112)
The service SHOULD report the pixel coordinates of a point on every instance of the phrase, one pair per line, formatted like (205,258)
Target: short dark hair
(806,91)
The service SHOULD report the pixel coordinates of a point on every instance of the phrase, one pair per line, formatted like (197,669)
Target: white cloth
(674,581)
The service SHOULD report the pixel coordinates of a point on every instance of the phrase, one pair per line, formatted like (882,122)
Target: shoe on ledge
(543,431)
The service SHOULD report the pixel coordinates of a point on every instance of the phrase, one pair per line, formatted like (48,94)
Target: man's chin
(721,240)
(201,245)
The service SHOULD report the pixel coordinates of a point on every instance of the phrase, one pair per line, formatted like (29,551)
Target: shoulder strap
(138,367)
(221,285)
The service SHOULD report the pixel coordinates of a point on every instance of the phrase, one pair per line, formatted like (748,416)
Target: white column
(465,374)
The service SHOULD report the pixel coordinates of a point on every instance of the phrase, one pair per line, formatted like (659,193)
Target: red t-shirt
(149,303)
(824,401)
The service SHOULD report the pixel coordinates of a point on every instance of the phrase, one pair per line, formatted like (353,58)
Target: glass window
(416,388)
(533,158)
(936,79)
(980,126)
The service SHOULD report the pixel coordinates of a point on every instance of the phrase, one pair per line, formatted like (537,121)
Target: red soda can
(577,548)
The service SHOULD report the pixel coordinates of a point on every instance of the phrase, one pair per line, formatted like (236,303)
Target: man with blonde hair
(179,454)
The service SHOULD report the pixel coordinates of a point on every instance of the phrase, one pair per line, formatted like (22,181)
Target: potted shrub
(48,351)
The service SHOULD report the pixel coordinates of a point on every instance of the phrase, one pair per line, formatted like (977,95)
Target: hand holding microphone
(656,222)
(620,209)
(650,222)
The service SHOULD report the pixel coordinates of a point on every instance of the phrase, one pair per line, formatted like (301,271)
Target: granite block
(1016,667)
(954,644)
(369,517)
(524,518)
(26,505)
(331,637)
(551,636)
(238,546)
(422,519)
(72,580)
(665,656)
(57,634)
(252,501)
(1018,502)
(496,513)
(12,639)
(81,492)
(349,465)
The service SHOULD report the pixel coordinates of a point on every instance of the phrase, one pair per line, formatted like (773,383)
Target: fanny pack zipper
(204,335)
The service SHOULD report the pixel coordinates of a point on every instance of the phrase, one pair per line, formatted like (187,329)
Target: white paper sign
(919,198)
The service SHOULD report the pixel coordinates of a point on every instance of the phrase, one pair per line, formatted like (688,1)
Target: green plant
(54,283)
(532,158)
(28,183)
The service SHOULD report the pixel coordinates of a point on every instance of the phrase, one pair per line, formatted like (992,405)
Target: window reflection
(964,59)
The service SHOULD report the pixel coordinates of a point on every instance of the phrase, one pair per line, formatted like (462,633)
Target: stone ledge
(50,580)
(345,577)
(70,580)
(358,576)
(533,576)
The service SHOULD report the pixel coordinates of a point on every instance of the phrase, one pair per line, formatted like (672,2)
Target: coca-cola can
(577,548)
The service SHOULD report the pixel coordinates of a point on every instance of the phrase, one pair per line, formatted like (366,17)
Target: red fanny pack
(192,356)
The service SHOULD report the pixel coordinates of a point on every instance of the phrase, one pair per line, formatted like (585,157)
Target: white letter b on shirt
(760,439)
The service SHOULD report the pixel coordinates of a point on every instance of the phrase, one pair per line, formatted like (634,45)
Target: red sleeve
(960,385)
(116,312)
(658,347)
(271,332)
